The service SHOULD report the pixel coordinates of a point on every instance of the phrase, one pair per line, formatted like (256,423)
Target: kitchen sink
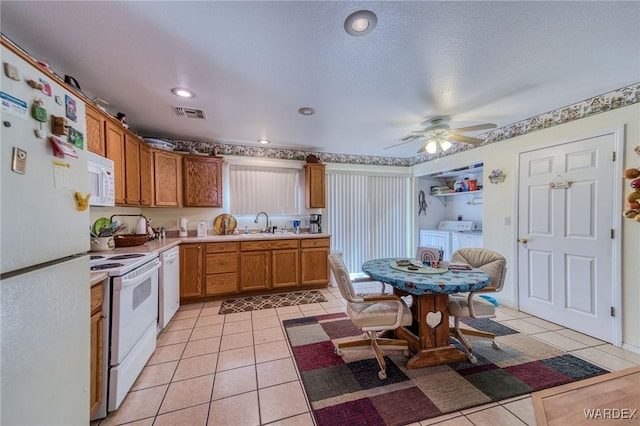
(264,235)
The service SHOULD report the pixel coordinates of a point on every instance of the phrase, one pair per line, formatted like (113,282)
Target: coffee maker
(315,224)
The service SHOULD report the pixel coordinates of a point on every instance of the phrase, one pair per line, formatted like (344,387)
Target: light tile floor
(237,369)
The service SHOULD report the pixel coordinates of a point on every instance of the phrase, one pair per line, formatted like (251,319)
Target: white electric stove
(119,264)
(132,319)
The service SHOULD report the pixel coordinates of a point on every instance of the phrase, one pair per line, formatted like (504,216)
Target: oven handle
(134,277)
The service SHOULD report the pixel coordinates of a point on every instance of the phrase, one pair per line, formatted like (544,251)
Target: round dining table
(429,289)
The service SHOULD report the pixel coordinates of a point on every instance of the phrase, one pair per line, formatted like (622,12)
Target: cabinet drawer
(314,242)
(222,283)
(222,247)
(268,245)
(223,262)
(96,297)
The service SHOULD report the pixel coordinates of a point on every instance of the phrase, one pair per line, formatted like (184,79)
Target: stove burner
(106,266)
(126,256)
(95,257)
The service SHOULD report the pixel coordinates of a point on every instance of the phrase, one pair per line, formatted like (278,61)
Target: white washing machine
(444,235)
(465,240)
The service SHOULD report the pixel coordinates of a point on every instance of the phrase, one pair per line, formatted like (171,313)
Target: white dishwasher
(168,286)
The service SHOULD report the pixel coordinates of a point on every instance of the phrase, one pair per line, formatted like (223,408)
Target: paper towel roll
(142,226)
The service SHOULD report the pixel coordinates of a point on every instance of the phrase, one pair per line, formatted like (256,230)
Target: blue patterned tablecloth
(418,284)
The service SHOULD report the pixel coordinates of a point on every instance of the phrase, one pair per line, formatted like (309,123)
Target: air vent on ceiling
(190,112)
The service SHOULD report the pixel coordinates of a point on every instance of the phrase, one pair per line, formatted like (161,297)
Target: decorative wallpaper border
(602,103)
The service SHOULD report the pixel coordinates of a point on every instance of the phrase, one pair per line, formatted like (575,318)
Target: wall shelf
(456,173)
(473,197)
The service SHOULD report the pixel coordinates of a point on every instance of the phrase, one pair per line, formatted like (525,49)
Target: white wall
(499,200)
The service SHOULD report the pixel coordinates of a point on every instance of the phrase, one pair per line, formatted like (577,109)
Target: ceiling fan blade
(423,148)
(398,144)
(474,128)
(465,139)
(418,135)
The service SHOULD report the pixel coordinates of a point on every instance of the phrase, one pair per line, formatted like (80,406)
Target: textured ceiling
(253,64)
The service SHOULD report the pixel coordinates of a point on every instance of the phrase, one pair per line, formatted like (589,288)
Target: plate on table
(403,262)
(218,224)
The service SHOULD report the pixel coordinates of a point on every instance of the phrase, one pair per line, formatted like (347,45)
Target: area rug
(253,303)
(346,390)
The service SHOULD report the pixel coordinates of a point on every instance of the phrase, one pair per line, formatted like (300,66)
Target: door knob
(522,240)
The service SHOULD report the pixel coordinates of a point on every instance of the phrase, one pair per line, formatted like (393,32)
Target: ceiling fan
(438,133)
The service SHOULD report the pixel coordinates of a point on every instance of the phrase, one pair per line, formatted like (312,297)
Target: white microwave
(101,180)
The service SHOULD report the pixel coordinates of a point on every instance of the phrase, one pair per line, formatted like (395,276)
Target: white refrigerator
(44,239)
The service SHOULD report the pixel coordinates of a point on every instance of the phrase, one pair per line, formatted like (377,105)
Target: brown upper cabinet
(114,137)
(167,168)
(95,130)
(202,181)
(146,175)
(132,169)
(315,191)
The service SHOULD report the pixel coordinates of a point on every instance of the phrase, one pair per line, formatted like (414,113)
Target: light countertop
(161,244)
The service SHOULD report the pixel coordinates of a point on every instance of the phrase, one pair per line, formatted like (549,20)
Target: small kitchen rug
(346,390)
(253,303)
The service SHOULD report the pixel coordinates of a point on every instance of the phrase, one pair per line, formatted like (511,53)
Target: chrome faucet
(266,226)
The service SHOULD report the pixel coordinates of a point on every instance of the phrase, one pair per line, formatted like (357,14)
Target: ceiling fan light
(432,147)
(445,145)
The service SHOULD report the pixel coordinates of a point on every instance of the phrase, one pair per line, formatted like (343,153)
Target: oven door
(135,308)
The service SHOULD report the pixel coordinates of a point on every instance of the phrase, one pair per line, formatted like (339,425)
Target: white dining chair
(371,314)
(470,304)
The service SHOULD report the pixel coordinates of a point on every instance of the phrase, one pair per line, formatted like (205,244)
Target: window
(368,216)
(257,188)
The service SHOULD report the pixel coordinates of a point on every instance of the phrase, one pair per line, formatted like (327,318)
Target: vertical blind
(254,189)
(367,216)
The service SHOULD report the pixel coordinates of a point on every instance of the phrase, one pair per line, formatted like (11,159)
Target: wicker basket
(130,240)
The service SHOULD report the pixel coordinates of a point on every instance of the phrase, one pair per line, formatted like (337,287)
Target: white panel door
(565,270)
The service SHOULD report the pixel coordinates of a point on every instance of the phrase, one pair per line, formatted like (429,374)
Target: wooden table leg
(431,346)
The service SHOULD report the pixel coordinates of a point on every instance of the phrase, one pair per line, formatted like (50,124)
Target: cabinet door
(146,175)
(255,270)
(132,170)
(285,268)
(167,169)
(202,182)
(191,270)
(221,284)
(315,186)
(114,137)
(314,266)
(95,392)
(95,131)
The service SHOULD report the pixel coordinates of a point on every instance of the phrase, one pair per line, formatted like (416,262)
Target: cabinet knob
(522,240)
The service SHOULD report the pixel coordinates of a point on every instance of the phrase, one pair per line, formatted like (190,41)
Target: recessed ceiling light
(183,93)
(306,111)
(264,141)
(360,23)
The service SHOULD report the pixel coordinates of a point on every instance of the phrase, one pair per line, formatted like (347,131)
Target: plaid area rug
(347,391)
(253,303)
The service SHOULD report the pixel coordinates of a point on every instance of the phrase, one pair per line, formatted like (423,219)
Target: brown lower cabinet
(190,270)
(314,261)
(221,268)
(236,267)
(97,331)
(268,264)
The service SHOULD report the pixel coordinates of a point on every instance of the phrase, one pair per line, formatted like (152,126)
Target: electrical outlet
(507,220)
